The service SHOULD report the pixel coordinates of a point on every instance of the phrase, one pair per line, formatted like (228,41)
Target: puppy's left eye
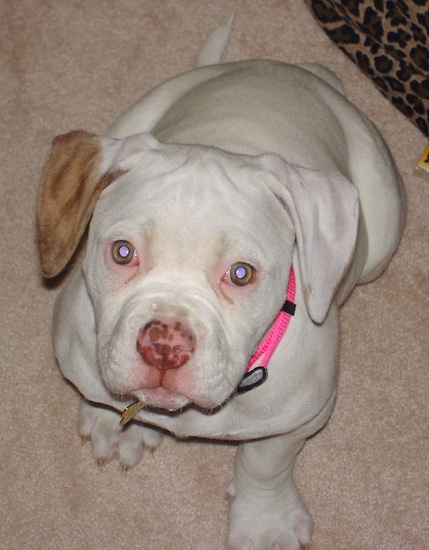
(123,252)
(241,274)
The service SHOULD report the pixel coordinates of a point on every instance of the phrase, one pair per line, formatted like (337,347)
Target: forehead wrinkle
(192,181)
(202,175)
(197,203)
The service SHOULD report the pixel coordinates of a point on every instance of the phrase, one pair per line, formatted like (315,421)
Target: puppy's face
(188,258)
(187,265)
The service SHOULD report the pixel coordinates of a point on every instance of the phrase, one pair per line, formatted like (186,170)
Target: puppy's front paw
(109,440)
(283,525)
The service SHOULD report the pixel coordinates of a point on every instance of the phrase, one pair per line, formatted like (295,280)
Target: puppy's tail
(213,47)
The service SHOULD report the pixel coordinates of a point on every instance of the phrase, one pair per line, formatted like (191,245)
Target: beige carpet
(74,64)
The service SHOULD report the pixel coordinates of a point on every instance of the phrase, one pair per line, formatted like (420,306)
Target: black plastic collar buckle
(252,379)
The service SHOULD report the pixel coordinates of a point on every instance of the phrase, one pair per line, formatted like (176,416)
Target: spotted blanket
(389,41)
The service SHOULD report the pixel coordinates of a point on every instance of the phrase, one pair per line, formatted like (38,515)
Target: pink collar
(257,376)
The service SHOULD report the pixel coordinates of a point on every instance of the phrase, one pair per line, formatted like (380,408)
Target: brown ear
(72,181)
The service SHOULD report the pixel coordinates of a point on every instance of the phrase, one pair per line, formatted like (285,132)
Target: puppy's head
(188,255)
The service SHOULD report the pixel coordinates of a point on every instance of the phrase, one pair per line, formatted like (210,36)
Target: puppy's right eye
(123,252)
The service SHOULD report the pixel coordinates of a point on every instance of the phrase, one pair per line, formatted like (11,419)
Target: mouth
(160,398)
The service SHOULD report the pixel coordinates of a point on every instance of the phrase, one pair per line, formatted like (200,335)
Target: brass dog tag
(130,412)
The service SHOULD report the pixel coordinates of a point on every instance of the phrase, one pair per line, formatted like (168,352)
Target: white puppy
(257,179)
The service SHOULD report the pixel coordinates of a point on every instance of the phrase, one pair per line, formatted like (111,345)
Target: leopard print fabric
(389,41)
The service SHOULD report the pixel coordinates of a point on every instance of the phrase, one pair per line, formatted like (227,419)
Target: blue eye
(241,274)
(123,252)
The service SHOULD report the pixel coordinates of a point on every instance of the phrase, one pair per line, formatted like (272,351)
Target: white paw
(268,525)
(111,441)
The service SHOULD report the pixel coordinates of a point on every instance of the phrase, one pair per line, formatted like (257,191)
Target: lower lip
(161,398)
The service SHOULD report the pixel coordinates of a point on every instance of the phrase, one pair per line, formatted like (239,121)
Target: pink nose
(165,345)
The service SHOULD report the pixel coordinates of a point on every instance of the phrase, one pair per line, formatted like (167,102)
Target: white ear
(324,209)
